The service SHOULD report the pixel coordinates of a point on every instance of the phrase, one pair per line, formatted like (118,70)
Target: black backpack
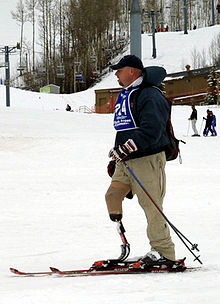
(172,150)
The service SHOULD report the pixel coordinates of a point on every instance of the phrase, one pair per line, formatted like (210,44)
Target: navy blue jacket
(150,111)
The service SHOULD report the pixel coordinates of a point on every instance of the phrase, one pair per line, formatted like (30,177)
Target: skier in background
(68,107)
(193,118)
(208,124)
(214,125)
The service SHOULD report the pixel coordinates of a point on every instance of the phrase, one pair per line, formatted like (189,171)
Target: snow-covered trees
(76,39)
(213,88)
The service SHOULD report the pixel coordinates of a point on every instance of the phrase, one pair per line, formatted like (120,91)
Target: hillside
(174,50)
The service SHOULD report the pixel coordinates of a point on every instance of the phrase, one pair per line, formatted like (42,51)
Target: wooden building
(181,88)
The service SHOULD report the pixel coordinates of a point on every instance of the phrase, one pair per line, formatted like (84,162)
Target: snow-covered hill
(174,51)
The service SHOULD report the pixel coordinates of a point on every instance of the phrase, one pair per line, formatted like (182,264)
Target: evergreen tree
(213,87)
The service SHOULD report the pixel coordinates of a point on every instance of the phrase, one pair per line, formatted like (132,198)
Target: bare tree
(214,51)
(20,15)
(31,9)
(80,37)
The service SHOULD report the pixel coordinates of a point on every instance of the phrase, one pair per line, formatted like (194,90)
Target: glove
(111,167)
(122,151)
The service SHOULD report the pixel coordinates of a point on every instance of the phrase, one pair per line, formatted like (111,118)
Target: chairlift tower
(135,28)
(7,50)
(213,12)
(152,14)
(185,16)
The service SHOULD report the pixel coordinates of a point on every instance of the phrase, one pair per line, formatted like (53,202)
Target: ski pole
(178,233)
(201,126)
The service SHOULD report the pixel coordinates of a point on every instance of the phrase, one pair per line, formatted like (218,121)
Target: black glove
(111,167)
(129,195)
(122,151)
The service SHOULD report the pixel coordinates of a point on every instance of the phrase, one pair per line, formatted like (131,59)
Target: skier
(68,107)
(214,125)
(193,118)
(208,124)
(140,140)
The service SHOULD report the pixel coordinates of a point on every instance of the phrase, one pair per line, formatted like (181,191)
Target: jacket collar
(135,83)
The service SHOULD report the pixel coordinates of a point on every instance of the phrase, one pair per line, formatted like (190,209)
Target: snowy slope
(174,51)
(53,179)
(52,185)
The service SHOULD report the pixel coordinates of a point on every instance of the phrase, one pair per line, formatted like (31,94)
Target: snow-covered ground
(53,213)
(53,180)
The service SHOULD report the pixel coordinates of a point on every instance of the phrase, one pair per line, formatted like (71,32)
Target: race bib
(123,119)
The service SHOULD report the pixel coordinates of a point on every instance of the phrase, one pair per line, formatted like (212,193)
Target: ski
(116,271)
(93,272)
(113,266)
(98,265)
(22,273)
(102,268)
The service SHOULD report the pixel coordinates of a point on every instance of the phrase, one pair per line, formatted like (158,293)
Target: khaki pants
(193,121)
(150,171)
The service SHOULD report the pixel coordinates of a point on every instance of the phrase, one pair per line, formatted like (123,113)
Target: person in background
(214,125)
(193,118)
(208,124)
(140,119)
(68,107)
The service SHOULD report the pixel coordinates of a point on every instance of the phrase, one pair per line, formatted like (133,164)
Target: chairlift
(93,58)
(21,68)
(60,71)
(95,73)
(79,77)
(41,70)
